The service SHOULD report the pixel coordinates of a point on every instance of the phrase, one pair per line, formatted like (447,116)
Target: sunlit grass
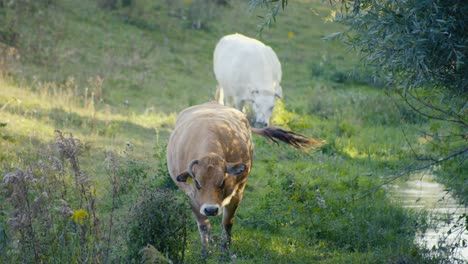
(25,127)
(281,116)
(30,113)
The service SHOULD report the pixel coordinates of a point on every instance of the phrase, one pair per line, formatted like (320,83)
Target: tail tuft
(292,138)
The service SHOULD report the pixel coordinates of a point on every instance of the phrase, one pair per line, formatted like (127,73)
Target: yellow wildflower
(187,2)
(291,35)
(79,216)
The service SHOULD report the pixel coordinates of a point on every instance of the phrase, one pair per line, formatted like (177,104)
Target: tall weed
(51,212)
(52,207)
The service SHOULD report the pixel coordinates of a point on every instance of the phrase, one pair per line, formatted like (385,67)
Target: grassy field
(112,83)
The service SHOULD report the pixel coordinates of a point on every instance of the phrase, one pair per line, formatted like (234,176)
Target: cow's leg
(204,227)
(228,218)
(229,101)
(219,96)
(238,103)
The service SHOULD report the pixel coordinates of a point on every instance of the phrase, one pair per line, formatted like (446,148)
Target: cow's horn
(193,162)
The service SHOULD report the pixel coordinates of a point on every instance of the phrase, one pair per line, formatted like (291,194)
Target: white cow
(248,73)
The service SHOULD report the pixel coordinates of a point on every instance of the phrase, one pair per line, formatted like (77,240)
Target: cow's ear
(183,177)
(235,168)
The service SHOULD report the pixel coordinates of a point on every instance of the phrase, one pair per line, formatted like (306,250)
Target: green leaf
(435,127)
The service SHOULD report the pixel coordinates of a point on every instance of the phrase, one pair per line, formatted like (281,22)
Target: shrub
(332,68)
(107,4)
(158,219)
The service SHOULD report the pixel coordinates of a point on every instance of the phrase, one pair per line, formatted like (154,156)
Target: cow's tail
(289,137)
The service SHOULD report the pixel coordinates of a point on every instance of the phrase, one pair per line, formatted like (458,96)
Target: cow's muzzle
(258,124)
(210,210)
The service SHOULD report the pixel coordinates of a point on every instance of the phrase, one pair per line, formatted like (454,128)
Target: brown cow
(209,157)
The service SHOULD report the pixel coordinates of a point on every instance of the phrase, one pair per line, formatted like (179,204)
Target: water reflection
(421,191)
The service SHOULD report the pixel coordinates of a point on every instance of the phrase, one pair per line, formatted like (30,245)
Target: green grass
(144,65)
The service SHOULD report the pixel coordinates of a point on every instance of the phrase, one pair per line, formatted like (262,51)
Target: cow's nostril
(210,211)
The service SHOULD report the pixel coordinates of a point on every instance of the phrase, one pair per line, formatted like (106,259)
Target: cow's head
(263,103)
(214,182)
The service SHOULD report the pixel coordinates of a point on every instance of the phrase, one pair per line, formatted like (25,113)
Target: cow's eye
(222,184)
(197,184)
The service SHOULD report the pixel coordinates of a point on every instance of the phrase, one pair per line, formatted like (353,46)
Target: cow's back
(209,128)
(242,64)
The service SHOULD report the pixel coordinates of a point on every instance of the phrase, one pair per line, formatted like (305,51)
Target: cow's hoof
(206,252)
(224,246)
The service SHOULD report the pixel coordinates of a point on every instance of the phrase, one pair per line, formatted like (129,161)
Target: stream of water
(421,191)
